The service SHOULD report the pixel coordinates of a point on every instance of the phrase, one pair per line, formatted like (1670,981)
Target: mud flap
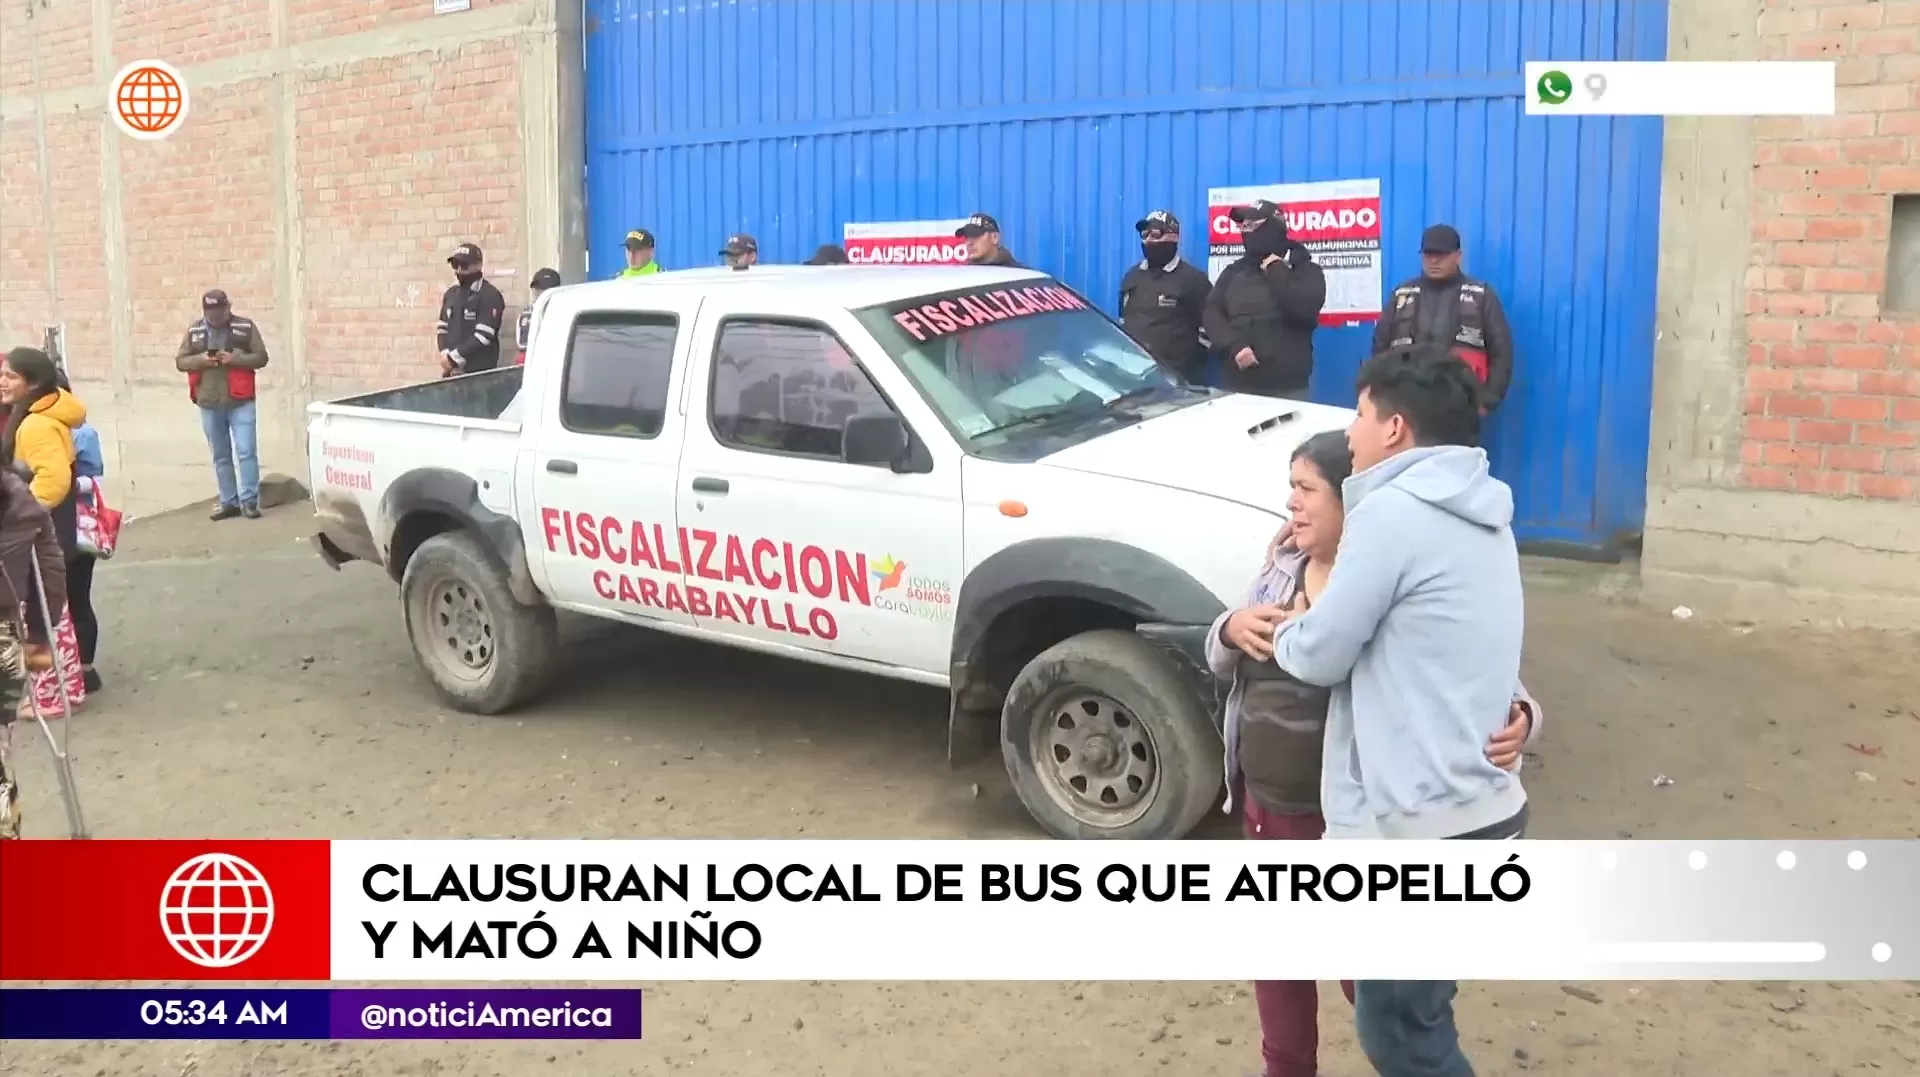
(971,734)
(1187,645)
(333,555)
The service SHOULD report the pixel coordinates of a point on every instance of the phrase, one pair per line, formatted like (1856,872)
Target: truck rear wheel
(484,652)
(1104,738)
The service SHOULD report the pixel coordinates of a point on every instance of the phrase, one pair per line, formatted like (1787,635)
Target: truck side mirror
(874,438)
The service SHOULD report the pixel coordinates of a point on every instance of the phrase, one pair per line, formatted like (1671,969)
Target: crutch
(62,757)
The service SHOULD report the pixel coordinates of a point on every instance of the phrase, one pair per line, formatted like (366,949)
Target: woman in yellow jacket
(38,438)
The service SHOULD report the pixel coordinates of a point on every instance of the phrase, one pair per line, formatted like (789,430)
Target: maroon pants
(1289,1009)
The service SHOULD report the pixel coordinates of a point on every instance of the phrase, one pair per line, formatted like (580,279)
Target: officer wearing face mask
(1163,296)
(470,316)
(1264,308)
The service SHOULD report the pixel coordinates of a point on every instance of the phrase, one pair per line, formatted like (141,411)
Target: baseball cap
(1159,219)
(740,243)
(1440,239)
(545,278)
(465,252)
(977,225)
(639,239)
(1259,210)
(213,298)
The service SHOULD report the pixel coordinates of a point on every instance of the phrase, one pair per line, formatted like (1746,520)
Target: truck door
(792,546)
(605,455)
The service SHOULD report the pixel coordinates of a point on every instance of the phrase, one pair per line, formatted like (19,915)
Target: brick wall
(333,154)
(1783,481)
(1832,400)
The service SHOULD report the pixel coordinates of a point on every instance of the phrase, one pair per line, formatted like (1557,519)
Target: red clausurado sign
(904,242)
(1338,221)
(1309,222)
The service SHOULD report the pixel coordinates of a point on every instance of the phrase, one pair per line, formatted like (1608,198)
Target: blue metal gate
(1068,119)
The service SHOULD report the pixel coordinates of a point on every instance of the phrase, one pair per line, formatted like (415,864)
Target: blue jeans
(234,439)
(1406,1028)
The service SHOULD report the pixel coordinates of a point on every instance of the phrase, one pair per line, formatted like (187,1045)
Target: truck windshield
(1010,363)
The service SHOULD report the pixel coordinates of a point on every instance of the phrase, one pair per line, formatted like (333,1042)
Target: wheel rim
(1096,759)
(458,631)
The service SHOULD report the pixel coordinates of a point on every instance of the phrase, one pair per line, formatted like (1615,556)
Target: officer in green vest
(640,261)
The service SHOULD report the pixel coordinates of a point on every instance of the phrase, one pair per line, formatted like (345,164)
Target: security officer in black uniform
(741,252)
(470,315)
(543,279)
(1264,308)
(1445,306)
(1163,297)
(984,247)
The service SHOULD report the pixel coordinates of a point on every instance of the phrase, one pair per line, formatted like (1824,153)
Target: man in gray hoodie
(1418,633)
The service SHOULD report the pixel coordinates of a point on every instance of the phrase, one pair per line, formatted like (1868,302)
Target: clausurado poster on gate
(1337,220)
(904,243)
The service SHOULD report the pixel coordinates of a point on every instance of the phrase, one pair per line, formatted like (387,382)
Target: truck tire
(484,652)
(1105,738)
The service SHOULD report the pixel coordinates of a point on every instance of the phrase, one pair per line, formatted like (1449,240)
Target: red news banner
(87,910)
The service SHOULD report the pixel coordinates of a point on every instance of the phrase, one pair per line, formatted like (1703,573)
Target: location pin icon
(1596,85)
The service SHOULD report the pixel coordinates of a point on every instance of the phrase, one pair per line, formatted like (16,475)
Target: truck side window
(618,366)
(786,388)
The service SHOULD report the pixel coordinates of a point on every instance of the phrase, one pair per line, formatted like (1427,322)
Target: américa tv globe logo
(148,100)
(216,910)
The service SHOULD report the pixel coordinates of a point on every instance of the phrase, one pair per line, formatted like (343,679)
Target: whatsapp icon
(1554,88)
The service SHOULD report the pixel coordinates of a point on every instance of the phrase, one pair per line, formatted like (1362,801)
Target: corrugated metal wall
(1069,118)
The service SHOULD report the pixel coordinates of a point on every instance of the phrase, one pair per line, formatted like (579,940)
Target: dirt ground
(253,693)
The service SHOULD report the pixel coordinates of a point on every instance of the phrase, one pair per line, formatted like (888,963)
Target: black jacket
(1274,311)
(470,317)
(1463,313)
(1162,308)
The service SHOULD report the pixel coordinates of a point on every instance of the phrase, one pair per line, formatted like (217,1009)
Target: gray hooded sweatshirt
(1418,634)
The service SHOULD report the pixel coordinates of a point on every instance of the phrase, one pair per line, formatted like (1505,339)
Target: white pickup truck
(963,477)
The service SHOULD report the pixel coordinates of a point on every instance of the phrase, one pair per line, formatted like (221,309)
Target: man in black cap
(470,315)
(829,254)
(1264,308)
(1163,297)
(984,248)
(1445,306)
(640,261)
(523,332)
(741,251)
(221,355)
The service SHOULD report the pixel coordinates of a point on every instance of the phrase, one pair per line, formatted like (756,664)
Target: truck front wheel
(1104,738)
(484,652)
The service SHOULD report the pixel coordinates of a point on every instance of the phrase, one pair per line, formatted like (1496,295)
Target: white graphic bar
(1679,88)
(1708,953)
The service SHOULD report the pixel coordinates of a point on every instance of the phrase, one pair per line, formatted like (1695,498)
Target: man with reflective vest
(220,355)
(1445,306)
(543,279)
(470,315)
(640,260)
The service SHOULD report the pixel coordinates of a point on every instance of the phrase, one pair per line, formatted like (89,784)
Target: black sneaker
(250,510)
(225,512)
(91,679)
